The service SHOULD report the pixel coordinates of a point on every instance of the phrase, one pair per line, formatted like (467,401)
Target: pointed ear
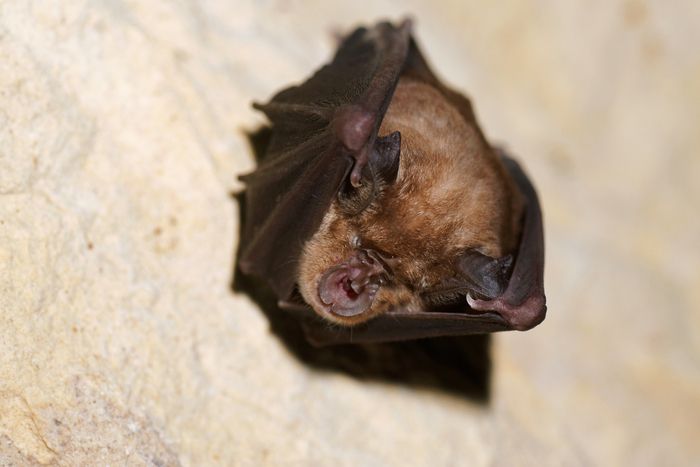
(486,276)
(382,169)
(384,159)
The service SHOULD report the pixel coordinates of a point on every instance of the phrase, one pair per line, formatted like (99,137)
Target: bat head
(431,221)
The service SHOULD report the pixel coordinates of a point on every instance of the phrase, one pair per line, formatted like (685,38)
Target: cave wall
(123,131)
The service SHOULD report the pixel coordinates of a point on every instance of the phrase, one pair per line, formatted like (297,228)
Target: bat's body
(451,195)
(381,202)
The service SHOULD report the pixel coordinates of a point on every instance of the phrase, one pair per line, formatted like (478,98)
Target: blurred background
(123,129)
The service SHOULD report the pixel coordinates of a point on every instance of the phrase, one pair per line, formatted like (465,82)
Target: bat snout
(349,288)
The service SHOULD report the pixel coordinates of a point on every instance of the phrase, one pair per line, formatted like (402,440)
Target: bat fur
(452,194)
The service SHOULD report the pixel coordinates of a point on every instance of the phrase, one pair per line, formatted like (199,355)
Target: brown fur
(451,194)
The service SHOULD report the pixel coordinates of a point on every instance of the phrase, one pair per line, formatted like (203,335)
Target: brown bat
(380,205)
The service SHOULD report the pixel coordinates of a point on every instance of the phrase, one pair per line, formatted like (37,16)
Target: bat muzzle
(349,288)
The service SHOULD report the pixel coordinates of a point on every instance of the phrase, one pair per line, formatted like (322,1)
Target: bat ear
(487,276)
(384,159)
(382,169)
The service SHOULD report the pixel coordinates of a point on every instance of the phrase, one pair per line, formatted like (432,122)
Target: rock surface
(122,133)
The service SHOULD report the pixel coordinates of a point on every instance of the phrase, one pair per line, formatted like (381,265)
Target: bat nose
(349,288)
(345,296)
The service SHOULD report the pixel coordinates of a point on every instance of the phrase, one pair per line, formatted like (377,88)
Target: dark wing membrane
(309,156)
(400,326)
(523,304)
(395,326)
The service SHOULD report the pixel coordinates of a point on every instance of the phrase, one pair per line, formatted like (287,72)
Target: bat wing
(323,131)
(521,306)
(523,303)
(395,326)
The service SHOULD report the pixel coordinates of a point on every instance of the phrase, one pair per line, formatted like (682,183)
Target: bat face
(433,225)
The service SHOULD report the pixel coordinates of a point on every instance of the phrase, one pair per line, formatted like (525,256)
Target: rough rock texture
(122,134)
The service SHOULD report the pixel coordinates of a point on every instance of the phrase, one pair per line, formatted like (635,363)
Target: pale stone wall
(122,134)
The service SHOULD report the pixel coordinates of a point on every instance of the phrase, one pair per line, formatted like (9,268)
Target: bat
(379,211)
